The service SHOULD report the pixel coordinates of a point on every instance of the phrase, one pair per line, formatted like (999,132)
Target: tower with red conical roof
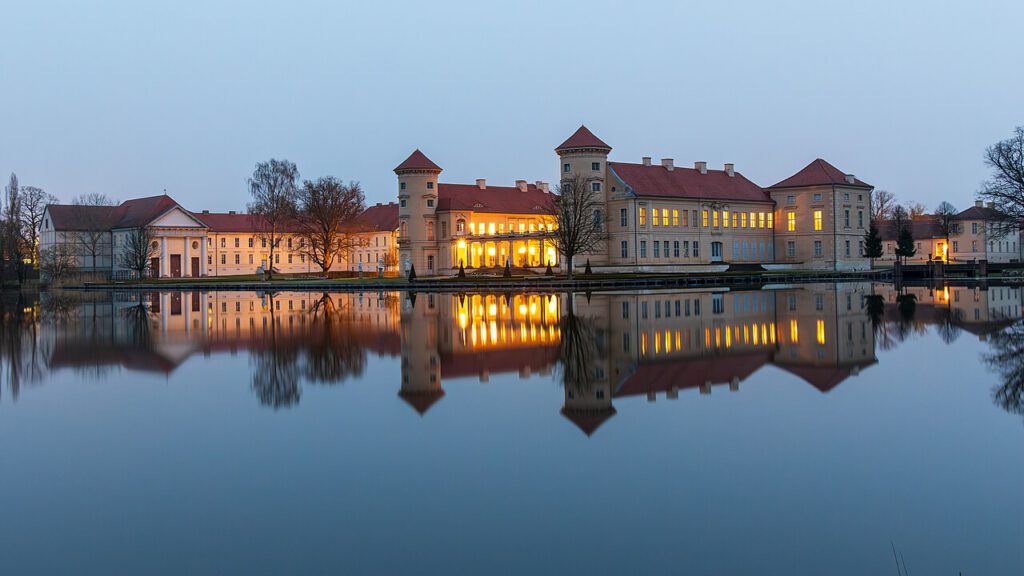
(584,154)
(417,220)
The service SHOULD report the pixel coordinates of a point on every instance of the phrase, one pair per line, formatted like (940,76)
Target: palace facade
(660,217)
(193,244)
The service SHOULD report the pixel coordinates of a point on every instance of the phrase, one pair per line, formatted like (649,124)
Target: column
(186,303)
(186,265)
(163,256)
(202,256)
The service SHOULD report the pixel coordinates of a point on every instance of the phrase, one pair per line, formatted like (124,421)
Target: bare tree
(56,263)
(882,203)
(326,208)
(33,205)
(945,215)
(92,219)
(1005,187)
(138,250)
(13,244)
(273,189)
(580,222)
(916,210)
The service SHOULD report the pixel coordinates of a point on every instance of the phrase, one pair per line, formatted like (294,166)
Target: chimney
(543,186)
(232,212)
(979,204)
(521,184)
(667,163)
(206,211)
(481,183)
(850,179)
(379,204)
(730,169)
(646,160)
(701,166)
(992,205)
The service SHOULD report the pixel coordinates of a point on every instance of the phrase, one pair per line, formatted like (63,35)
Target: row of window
(708,218)
(263,258)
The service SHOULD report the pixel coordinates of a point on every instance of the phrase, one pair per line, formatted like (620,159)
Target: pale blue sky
(130,98)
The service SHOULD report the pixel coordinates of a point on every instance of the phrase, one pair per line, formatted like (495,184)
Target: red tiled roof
(588,420)
(922,228)
(691,373)
(583,138)
(227,222)
(657,180)
(382,217)
(498,361)
(421,401)
(824,378)
(980,213)
(493,199)
(417,161)
(819,173)
(128,214)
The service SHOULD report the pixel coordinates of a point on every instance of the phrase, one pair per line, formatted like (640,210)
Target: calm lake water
(794,430)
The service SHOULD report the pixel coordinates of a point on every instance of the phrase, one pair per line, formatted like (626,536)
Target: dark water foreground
(797,430)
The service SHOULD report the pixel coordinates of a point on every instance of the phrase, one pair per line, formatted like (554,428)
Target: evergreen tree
(412,273)
(587,270)
(873,242)
(905,243)
(462,270)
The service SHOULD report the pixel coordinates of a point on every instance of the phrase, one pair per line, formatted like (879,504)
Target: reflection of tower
(421,367)
(585,362)
(417,203)
(586,156)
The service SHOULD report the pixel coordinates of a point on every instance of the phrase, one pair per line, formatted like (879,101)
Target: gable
(176,218)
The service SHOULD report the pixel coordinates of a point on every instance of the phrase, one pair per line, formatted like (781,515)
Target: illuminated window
(643,216)
(743,220)
(655,217)
(794,332)
(675,217)
(725,218)
(771,219)
(664,216)
(714,218)
(791,221)
(704,218)
(821,332)
(760,219)
(753,219)
(735,220)
(817,219)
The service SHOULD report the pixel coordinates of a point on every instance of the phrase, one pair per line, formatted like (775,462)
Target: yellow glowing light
(553,304)
(462,243)
(522,309)
(821,332)
(492,310)
(490,250)
(462,320)
(522,249)
(533,308)
(794,332)
(533,250)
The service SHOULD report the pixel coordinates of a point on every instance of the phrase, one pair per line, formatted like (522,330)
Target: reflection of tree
(578,352)
(1006,357)
(334,352)
(275,374)
(138,324)
(906,305)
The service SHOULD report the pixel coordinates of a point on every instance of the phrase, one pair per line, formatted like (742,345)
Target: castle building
(660,217)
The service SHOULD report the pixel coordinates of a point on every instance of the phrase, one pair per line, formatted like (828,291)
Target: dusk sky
(130,99)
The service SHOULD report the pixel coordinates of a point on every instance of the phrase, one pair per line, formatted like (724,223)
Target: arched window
(430,230)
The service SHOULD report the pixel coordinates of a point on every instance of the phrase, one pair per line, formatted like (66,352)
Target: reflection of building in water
(665,342)
(450,335)
(978,308)
(157,331)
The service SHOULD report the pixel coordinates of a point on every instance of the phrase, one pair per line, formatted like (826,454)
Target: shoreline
(534,283)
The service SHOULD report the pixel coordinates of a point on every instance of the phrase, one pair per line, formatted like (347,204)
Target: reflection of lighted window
(821,332)
(794,332)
